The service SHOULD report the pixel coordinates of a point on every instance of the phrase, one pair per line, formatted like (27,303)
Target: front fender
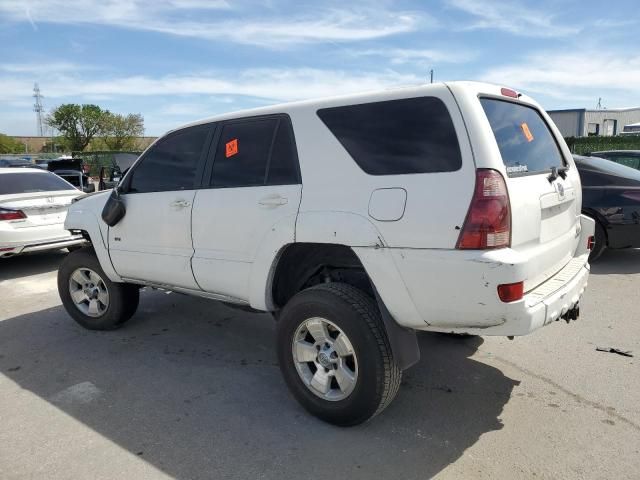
(85,215)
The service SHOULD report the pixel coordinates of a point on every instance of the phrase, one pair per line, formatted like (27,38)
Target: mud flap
(403,341)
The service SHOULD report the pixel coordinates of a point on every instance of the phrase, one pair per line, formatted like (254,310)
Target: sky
(176,61)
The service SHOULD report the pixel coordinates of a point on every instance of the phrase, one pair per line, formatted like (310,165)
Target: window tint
(171,164)
(629,161)
(524,139)
(31,182)
(283,167)
(413,135)
(255,152)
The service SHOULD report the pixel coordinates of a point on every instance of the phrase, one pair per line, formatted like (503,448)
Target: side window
(283,167)
(628,161)
(254,152)
(170,164)
(412,135)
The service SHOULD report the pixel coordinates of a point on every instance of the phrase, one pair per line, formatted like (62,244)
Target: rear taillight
(591,242)
(6,214)
(511,292)
(488,222)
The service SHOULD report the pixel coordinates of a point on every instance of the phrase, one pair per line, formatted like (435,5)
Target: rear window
(411,135)
(524,139)
(11,183)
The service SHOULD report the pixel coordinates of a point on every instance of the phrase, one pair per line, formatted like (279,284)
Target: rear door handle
(273,201)
(181,204)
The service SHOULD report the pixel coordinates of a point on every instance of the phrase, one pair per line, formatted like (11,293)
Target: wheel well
(84,234)
(600,220)
(303,265)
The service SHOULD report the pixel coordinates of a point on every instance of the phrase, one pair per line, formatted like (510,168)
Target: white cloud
(174,99)
(578,76)
(42,68)
(515,18)
(275,84)
(401,56)
(203,19)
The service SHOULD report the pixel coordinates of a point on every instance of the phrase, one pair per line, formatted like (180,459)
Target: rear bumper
(456,291)
(9,249)
(547,303)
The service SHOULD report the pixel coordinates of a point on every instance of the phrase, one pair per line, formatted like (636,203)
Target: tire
(344,310)
(114,303)
(601,243)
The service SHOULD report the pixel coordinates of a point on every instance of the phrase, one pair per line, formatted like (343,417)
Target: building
(582,122)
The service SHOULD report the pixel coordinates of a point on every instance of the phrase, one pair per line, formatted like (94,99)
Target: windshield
(524,139)
(11,183)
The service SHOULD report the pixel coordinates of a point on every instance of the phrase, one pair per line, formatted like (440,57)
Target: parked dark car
(629,158)
(111,175)
(611,196)
(16,163)
(72,170)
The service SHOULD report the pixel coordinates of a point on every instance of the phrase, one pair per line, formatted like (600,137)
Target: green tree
(78,124)
(121,131)
(10,145)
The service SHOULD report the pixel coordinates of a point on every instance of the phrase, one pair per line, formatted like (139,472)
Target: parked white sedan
(33,207)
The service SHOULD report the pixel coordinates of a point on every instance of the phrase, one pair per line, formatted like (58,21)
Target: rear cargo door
(543,188)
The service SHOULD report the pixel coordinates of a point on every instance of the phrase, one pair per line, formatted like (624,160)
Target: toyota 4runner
(356,221)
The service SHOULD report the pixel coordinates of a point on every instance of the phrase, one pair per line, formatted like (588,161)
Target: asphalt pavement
(190,389)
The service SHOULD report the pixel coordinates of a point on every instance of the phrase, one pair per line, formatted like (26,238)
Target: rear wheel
(601,243)
(335,355)
(87,294)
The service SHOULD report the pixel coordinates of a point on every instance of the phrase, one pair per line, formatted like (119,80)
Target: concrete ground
(190,388)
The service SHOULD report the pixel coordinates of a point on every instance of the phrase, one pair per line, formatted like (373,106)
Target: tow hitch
(572,314)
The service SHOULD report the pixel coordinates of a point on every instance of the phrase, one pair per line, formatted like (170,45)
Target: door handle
(273,201)
(181,204)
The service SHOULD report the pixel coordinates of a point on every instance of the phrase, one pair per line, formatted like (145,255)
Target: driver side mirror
(114,210)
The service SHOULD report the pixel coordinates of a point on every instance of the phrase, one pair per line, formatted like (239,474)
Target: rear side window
(11,183)
(255,152)
(412,135)
(524,139)
(171,164)
(628,161)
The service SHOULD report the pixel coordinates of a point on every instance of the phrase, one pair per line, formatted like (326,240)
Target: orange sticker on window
(231,148)
(527,133)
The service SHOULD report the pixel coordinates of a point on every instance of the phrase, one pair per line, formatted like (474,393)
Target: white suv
(356,220)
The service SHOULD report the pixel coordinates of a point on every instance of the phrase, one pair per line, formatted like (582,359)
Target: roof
(632,152)
(21,170)
(352,98)
(614,110)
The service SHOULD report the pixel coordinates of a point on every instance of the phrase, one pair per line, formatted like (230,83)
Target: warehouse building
(581,122)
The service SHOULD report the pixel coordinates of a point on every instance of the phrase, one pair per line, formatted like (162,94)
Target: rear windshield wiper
(557,172)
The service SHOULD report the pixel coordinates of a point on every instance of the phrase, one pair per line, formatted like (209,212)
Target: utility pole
(37,107)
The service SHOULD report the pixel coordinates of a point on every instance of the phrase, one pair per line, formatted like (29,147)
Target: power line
(38,108)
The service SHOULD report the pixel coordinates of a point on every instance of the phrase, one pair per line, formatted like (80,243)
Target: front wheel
(334,354)
(87,294)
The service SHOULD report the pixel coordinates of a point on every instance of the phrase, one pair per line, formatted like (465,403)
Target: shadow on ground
(617,261)
(193,387)
(30,264)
